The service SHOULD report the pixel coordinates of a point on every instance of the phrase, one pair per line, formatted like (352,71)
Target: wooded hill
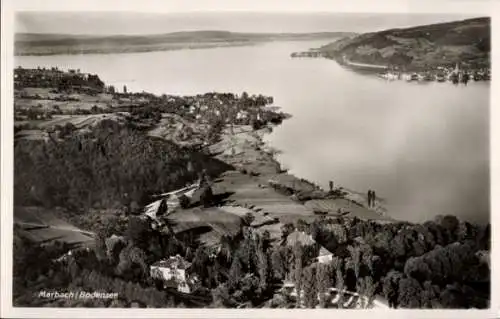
(442,44)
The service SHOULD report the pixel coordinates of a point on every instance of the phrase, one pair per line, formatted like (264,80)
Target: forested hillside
(442,44)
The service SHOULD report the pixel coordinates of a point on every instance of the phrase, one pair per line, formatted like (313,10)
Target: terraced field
(253,191)
(209,223)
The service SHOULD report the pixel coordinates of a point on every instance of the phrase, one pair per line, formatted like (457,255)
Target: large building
(173,272)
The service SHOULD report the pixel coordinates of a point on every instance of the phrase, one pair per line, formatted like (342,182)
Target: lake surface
(424,148)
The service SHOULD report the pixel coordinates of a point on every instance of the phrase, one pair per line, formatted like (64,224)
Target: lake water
(424,148)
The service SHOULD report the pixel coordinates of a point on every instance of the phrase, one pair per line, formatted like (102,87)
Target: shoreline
(255,157)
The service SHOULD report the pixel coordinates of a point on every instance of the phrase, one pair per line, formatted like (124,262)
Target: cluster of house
(440,74)
(55,78)
(204,107)
(307,54)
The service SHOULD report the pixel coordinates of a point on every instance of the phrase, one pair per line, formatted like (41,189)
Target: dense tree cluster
(109,166)
(434,264)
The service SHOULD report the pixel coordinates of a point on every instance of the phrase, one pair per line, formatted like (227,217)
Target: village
(454,75)
(439,74)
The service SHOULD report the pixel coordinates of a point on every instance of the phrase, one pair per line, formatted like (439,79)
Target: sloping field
(346,207)
(248,193)
(292,182)
(260,218)
(63,105)
(175,128)
(41,225)
(216,221)
(44,235)
(81,121)
(39,216)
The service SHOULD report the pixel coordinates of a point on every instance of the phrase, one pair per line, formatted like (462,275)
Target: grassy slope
(41,225)
(437,44)
(46,44)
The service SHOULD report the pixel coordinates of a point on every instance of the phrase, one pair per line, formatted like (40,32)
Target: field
(209,223)
(43,226)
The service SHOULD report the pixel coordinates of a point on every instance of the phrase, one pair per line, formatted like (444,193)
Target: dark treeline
(54,78)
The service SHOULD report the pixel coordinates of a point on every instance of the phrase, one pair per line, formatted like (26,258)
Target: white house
(156,208)
(242,115)
(173,272)
(324,256)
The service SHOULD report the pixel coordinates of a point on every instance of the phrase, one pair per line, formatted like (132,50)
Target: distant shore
(61,44)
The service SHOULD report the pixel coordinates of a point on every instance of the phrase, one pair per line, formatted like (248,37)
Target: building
(156,209)
(170,201)
(173,271)
(324,256)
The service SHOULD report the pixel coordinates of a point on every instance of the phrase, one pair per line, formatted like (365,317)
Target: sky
(426,6)
(101,23)
(154,16)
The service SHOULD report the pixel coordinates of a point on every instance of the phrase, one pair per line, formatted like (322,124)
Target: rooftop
(172,262)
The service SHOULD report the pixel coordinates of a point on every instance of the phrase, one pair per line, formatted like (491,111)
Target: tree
(298,254)
(221,297)
(323,282)
(286,230)
(390,287)
(409,293)
(452,297)
(184,201)
(430,295)
(366,288)
(356,258)
(302,225)
(278,264)
(207,197)
(125,89)
(443,263)
(262,266)
(309,286)
(138,231)
(235,273)
(248,218)
(340,232)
